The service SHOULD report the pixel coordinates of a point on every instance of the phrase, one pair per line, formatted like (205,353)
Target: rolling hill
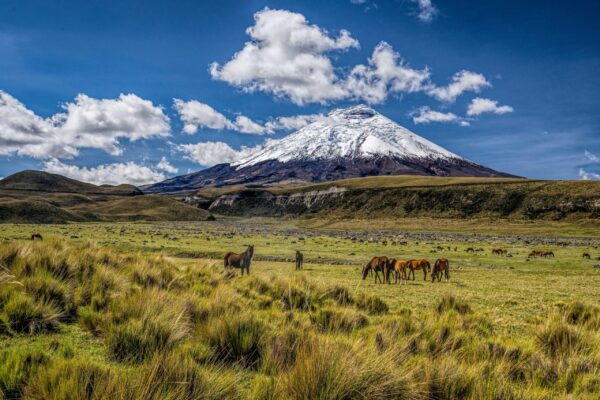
(40,197)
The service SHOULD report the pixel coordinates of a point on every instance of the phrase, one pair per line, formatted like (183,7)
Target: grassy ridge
(85,320)
(407,196)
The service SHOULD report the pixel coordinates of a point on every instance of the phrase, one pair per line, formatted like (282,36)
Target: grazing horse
(548,254)
(377,264)
(442,265)
(587,255)
(500,252)
(36,236)
(413,265)
(399,268)
(241,261)
(299,260)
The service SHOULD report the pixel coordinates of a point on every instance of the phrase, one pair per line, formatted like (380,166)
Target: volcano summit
(347,143)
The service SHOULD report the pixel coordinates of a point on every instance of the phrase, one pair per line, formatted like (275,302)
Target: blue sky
(88,88)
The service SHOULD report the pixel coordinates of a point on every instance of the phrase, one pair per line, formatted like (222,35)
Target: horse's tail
(427,265)
(226,260)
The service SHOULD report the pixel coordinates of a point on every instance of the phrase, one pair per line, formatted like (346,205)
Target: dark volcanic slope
(272,171)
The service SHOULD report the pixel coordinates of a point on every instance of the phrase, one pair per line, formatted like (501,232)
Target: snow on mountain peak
(354,132)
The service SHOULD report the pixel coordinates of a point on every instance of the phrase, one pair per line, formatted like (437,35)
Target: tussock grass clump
(578,313)
(46,289)
(340,295)
(346,320)
(328,370)
(17,365)
(149,275)
(450,302)
(24,315)
(557,338)
(176,377)
(281,349)
(236,338)
(73,379)
(371,304)
(144,324)
(449,379)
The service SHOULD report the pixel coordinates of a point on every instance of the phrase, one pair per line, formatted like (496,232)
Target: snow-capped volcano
(355,132)
(347,143)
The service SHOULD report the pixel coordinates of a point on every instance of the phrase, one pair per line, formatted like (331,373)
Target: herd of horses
(403,270)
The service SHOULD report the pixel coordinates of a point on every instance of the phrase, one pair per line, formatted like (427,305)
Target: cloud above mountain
(480,106)
(291,58)
(84,123)
(108,174)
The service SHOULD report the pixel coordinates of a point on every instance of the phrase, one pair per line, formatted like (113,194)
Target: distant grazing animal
(536,253)
(36,236)
(500,252)
(399,268)
(299,260)
(377,265)
(413,265)
(241,261)
(587,255)
(442,265)
(470,250)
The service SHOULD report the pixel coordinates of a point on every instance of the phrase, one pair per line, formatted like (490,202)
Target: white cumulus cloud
(195,114)
(106,174)
(386,73)
(287,56)
(480,105)
(212,153)
(588,176)
(84,123)
(294,122)
(165,165)
(591,156)
(462,81)
(427,11)
(425,115)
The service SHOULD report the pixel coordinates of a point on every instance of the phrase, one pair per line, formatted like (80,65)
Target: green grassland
(144,310)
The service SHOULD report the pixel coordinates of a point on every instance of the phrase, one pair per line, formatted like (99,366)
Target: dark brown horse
(413,265)
(442,265)
(241,261)
(36,236)
(587,255)
(500,252)
(377,264)
(299,260)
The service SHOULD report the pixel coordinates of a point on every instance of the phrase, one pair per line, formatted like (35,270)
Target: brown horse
(36,236)
(442,265)
(500,252)
(241,261)
(377,264)
(413,265)
(299,260)
(587,255)
(399,268)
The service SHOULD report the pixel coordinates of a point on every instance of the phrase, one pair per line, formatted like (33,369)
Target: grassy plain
(144,310)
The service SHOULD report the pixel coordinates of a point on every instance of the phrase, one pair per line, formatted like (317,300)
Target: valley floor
(149,297)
